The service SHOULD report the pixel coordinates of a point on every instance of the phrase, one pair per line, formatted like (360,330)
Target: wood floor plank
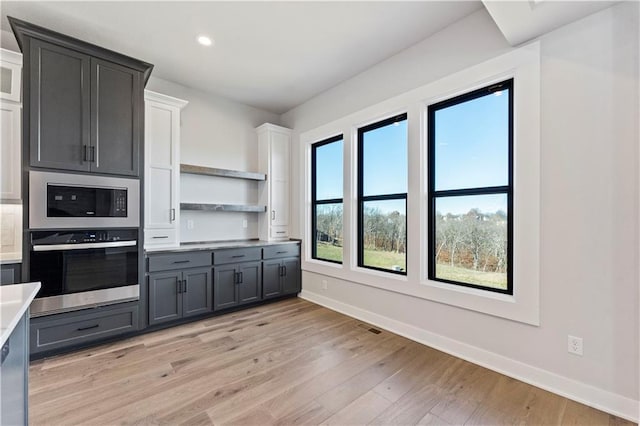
(361,411)
(289,362)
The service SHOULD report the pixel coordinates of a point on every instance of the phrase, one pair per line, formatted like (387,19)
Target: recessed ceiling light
(204,40)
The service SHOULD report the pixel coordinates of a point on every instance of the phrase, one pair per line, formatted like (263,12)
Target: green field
(487,279)
(328,251)
(389,259)
(376,258)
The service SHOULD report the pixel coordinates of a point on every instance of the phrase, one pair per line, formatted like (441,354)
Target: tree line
(382,231)
(473,240)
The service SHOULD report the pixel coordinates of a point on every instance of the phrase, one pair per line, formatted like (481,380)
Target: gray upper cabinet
(84,105)
(59,107)
(116,109)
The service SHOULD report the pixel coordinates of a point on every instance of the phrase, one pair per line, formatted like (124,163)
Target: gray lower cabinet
(280,277)
(237,277)
(281,270)
(59,331)
(179,294)
(10,273)
(14,371)
(236,284)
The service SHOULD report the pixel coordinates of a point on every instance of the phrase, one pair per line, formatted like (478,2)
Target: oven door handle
(84,246)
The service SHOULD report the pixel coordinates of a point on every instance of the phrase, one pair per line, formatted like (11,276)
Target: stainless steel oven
(64,200)
(83,268)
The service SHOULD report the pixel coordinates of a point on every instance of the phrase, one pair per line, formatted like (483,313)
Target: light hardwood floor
(290,362)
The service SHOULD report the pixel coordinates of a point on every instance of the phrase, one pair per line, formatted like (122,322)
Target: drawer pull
(280,232)
(237,256)
(281,252)
(89,327)
(182,261)
(161,236)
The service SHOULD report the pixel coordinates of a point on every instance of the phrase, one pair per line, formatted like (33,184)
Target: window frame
(315,202)
(434,195)
(362,199)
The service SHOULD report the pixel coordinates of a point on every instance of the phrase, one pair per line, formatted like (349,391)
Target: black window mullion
(328,201)
(472,191)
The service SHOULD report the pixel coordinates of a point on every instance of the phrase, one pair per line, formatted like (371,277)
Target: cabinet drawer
(221,257)
(166,262)
(281,250)
(279,232)
(62,331)
(160,237)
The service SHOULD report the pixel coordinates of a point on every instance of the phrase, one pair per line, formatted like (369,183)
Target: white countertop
(14,302)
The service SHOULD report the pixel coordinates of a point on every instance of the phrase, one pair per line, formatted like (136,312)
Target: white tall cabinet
(10,157)
(10,164)
(273,160)
(162,170)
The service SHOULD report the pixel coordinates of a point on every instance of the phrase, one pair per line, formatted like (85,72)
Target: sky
(471,151)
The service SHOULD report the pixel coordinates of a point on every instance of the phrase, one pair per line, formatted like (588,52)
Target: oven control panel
(83,236)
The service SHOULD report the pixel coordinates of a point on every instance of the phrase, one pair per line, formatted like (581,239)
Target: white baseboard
(609,402)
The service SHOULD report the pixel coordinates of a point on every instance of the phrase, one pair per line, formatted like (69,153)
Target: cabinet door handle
(85,154)
(280,270)
(161,236)
(93,154)
(89,327)
(235,277)
(184,288)
(237,256)
(284,268)
(273,215)
(182,261)
(172,215)
(241,278)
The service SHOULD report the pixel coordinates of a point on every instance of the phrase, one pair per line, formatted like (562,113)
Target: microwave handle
(85,246)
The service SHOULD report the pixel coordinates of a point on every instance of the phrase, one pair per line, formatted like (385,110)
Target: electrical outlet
(244,223)
(190,224)
(574,345)
(324,284)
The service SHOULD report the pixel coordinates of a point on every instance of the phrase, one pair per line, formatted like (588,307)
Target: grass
(486,279)
(376,258)
(389,259)
(326,251)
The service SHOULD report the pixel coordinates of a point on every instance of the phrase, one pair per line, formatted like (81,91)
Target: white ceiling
(520,21)
(271,55)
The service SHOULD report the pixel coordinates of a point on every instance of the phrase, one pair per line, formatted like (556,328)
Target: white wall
(589,208)
(216,132)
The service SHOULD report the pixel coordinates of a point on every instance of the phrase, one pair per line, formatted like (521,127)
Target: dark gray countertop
(214,245)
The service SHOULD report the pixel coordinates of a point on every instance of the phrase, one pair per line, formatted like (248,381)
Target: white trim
(523,64)
(600,399)
(164,99)
(11,56)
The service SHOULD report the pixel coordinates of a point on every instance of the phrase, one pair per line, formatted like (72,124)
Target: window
(471,189)
(382,195)
(326,199)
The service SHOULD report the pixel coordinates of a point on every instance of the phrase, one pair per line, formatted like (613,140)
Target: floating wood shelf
(247,208)
(211,171)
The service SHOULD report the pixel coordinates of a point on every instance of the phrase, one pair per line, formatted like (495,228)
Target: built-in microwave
(64,200)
